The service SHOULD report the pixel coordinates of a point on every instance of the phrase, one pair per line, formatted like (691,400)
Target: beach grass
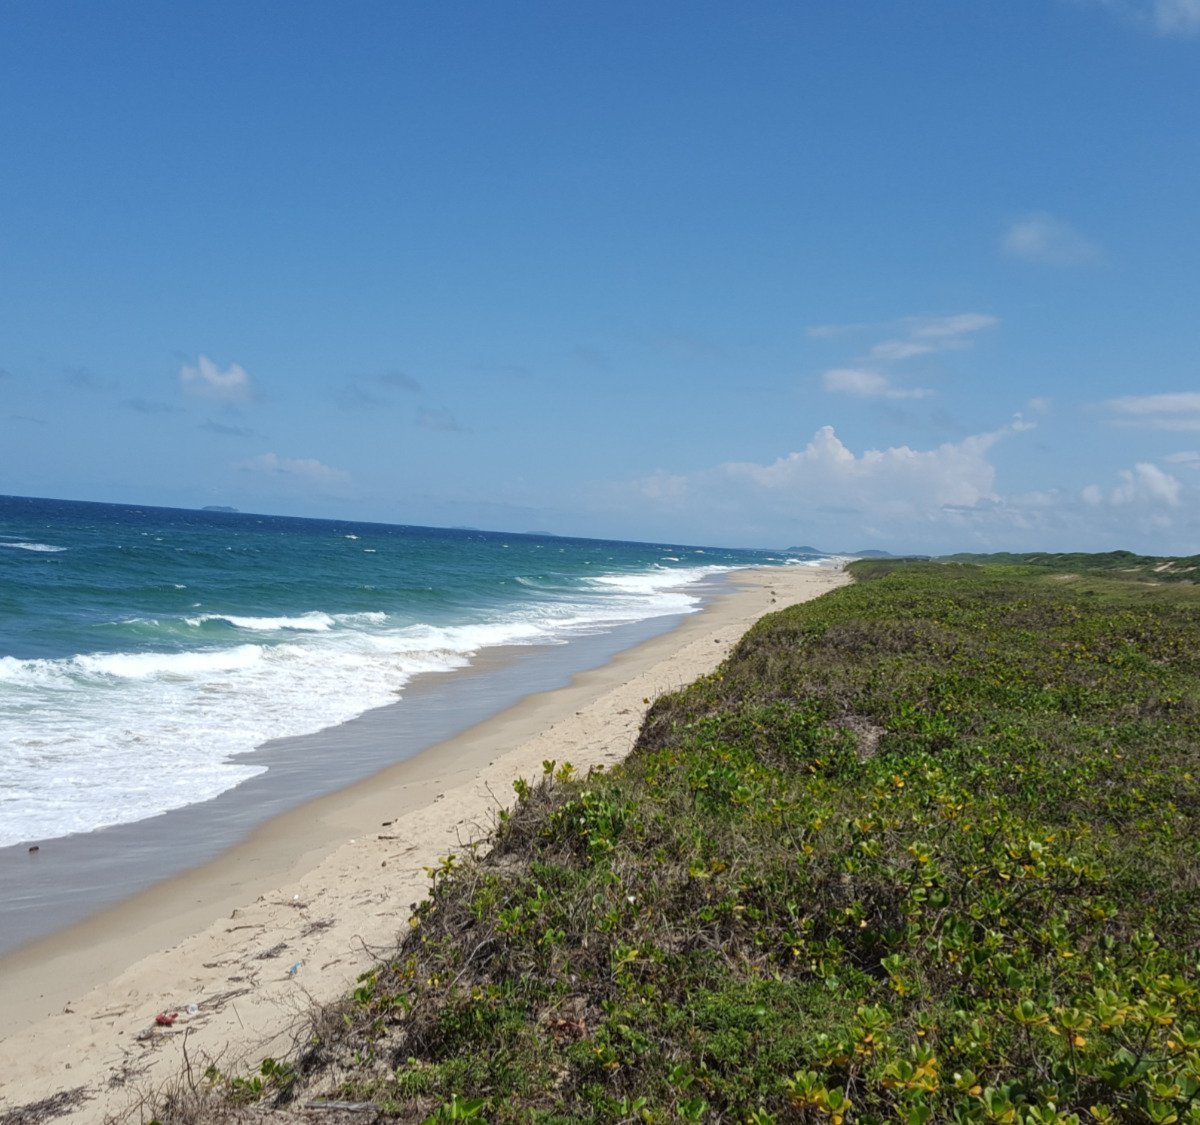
(923,849)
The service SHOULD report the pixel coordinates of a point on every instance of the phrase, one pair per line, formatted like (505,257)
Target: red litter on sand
(165,1019)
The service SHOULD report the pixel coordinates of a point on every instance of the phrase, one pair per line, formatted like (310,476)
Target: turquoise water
(146,652)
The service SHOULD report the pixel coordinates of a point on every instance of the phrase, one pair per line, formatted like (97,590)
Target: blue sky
(923,277)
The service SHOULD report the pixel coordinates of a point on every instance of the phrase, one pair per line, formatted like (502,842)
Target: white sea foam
(113,737)
(308,622)
(48,548)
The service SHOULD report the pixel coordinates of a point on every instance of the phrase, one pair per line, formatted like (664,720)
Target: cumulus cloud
(891,486)
(907,338)
(1178,411)
(230,384)
(952,474)
(1040,237)
(306,470)
(933,499)
(1144,484)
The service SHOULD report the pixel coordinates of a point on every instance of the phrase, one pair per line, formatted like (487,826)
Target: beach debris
(165,1019)
(34,849)
(389,823)
(274,951)
(54,1106)
(193,1009)
(294,969)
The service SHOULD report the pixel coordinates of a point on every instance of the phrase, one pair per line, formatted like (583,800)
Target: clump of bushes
(924,849)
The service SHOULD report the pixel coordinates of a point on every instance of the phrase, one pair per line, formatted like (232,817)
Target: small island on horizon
(218,508)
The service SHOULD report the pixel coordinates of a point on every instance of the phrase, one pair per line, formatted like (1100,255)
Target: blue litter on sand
(294,969)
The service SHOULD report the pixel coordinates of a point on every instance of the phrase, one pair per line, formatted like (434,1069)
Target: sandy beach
(240,948)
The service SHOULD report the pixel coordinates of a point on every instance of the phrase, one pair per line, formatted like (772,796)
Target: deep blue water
(142,648)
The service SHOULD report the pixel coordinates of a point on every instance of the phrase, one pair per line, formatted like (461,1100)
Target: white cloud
(208,380)
(1144,484)
(910,337)
(1190,458)
(666,487)
(950,330)
(1040,237)
(307,470)
(1179,411)
(895,350)
(947,497)
(1176,17)
(431,418)
(867,384)
(1166,17)
(897,478)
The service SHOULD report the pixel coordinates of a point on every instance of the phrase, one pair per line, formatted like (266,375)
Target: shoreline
(319,887)
(68,879)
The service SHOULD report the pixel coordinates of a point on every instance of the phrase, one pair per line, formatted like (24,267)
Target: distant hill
(217,508)
(869,554)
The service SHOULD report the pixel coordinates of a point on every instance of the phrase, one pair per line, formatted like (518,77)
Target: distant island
(217,508)
(867,554)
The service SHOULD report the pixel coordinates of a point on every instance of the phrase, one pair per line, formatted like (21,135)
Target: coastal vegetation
(921,850)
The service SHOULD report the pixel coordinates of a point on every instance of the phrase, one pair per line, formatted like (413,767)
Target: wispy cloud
(1040,237)
(364,391)
(1176,17)
(869,375)
(87,380)
(305,470)
(1179,18)
(149,406)
(508,370)
(1190,459)
(867,384)
(229,384)
(429,418)
(592,358)
(227,431)
(1179,411)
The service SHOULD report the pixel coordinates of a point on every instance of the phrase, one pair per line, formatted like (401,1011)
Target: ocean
(147,654)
